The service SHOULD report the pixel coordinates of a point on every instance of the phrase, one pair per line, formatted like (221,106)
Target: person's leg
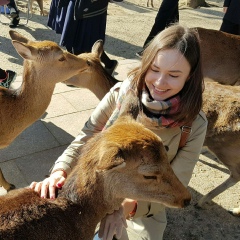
(12,4)
(174,17)
(14,12)
(229,27)
(167,13)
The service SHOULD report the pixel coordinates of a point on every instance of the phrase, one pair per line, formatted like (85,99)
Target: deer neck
(106,82)
(35,92)
(89,195)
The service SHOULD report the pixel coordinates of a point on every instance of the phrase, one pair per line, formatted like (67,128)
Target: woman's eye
(173,76)
(154,69)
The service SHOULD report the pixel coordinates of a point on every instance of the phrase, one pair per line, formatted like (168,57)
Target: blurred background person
(231,18)
(81,23)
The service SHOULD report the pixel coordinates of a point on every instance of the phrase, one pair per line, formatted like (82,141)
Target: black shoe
(139,54)
(114,66)
(11,76)
(14,22)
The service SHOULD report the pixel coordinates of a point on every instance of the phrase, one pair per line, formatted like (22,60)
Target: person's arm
(67,160)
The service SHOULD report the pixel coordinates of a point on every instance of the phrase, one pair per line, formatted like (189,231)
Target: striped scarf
(164,109)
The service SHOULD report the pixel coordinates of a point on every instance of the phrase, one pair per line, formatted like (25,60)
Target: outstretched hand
(112,225)
(47,187)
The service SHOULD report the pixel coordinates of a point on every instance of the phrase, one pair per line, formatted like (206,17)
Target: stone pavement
(34,151)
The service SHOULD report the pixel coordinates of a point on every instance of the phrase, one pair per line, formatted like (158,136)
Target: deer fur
(220,56)
(96,71)
(125,160)
(222,106)
(45,64)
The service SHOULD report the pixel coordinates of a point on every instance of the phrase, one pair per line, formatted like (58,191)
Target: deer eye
(62,59)
(150,177)
(166,148)
(89,63)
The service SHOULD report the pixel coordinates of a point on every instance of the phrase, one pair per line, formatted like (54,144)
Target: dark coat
(233,12)
(86,8)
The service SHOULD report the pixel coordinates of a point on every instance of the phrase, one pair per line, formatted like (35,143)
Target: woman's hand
(112,225)
(47,188)
(129,207)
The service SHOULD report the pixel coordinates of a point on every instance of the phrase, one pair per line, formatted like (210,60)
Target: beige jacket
(182,161)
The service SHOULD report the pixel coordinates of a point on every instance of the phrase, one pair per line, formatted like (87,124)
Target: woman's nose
(161,79)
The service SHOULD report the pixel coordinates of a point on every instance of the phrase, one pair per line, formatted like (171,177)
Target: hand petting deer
(97,186)
(221,63)
(45,64)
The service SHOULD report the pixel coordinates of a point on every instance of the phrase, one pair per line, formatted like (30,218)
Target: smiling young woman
(169,86)
(167,74)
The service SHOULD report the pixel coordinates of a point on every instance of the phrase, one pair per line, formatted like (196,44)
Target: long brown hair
(185,40)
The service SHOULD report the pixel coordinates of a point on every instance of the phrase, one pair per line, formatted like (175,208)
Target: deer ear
(97,48)
(24,50)
(18,37)
(110,158)
(130,105)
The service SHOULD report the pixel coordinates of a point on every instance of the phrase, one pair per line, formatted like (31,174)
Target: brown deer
(222,106)
(95,72)
(45,64)
(221,56)
(125,160)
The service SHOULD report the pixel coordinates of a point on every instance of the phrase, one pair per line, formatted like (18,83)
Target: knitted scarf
(161,110)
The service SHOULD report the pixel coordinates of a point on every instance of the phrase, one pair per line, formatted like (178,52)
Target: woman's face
(167,74)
